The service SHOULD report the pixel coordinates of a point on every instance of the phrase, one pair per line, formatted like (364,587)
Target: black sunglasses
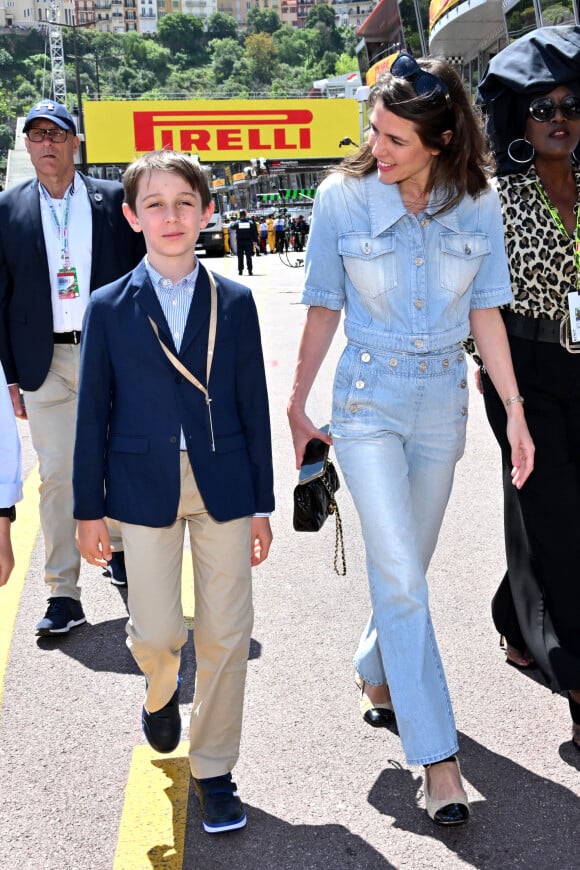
(55,134)
(544,108)
(423,83)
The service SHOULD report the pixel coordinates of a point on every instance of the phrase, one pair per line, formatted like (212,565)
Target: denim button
(359,385)
(393,362)
(419,303)
(423,367)
(424,222)
(461,357)
(418,261)
(463,384)
(353,408)
(418,342)
(467,250)
(445,363)
(464,412)
(365,357)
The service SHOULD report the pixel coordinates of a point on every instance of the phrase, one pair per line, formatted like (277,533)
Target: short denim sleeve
(324,282)
(492,285)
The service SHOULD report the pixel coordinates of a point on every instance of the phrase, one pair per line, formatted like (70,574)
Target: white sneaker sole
(227,826)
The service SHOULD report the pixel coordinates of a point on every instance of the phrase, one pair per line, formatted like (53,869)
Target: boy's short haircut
(166,161)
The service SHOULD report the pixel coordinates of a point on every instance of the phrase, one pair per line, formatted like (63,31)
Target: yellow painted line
(152,830)
(24,532)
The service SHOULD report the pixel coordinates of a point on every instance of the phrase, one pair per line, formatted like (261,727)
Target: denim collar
(386,207)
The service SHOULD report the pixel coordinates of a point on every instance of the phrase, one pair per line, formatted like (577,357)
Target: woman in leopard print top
(537,606)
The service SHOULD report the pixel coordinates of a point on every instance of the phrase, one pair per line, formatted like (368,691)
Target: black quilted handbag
(314,501)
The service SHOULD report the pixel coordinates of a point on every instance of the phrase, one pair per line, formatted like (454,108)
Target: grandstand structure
(466,32)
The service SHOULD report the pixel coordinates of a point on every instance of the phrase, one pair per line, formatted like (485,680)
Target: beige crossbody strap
(210,350)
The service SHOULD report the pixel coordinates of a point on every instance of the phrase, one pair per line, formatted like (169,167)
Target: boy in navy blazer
(173,429)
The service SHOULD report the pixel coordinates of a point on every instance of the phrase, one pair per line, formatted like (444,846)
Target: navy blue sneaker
(221,807)
(163,727)
(61,615)
(116,569)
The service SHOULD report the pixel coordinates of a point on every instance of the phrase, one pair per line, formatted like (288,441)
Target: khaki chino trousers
(222,626)
(52,413)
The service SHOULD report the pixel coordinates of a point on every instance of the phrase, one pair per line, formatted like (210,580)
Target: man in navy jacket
(61,235)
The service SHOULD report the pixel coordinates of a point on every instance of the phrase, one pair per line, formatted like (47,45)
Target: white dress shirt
(68,313)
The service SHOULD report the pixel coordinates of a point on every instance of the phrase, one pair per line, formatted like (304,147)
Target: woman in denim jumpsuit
(407,237)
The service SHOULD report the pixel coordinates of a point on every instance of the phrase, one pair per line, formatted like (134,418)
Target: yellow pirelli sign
(219,130)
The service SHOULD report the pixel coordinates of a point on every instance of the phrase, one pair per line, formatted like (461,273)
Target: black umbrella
(532,65)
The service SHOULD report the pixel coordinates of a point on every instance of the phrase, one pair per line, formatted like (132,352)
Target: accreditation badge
(574,311)
(67,283)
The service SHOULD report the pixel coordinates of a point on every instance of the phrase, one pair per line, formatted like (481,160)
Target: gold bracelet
(514,400)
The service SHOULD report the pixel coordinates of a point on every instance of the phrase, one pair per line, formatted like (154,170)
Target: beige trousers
(222,627)
(52,411)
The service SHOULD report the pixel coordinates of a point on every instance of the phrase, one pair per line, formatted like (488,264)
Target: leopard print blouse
(541,258)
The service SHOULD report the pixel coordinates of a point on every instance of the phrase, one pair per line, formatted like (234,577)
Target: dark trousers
(542,520)
(245,249)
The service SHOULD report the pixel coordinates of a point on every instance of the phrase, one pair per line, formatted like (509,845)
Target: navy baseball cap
(51,111)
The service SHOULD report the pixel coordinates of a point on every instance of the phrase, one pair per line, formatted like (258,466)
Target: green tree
(290,81)
(263,20)
(221,26)
(193,83)
(226,56)
(349,39)
(345,63)
(6,112)
(261,57)
(321,18)
(147,54)
(25,96)
(181,33)
(295,47)
(6,58)
(233,88)
(6,138)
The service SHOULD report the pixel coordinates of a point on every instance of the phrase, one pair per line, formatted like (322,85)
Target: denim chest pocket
(461,257)
(370,263)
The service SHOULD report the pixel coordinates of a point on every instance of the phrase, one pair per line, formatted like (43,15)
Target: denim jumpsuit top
(407,284)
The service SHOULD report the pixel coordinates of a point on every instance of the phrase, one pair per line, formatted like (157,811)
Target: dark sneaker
(221,808)
(116,569)
(163,727)
(61,615)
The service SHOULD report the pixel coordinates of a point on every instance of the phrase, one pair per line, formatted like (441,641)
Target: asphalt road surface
(80,788)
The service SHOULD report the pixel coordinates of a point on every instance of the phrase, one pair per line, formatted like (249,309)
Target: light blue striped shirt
(175,301)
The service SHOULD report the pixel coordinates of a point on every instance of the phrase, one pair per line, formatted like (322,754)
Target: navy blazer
(133,405)
(26,320)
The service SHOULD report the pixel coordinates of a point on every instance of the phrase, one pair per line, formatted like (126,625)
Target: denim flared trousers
(399,425)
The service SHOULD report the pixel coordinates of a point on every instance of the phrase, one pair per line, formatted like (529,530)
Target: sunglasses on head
(423,83)
(545,108)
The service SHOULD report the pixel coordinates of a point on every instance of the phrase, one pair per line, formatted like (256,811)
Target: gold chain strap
(339,540)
